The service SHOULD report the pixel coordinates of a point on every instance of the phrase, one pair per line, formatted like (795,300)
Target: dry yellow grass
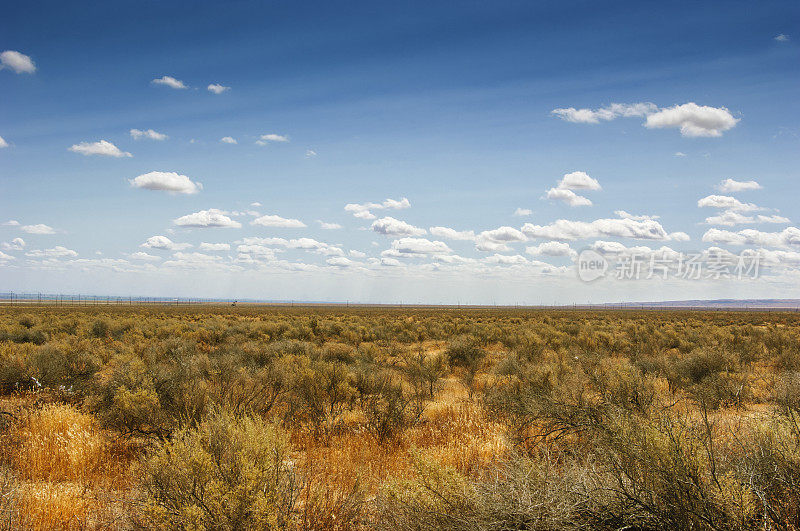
(67,475)
(58,443)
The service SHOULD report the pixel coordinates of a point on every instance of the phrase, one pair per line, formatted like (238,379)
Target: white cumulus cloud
(103,147)
(390,226)
(169,81)
(263,140)
(566,230)
(3,143)
(522,212)
(693,120)
(363,210)
(39,228)
(56,252)
(166,181)
(615,110)
(17,244)
(207,219)
(788,237)
(164,243)
(329,226)
(216,88)
(732,217)
(215,246)
(148,133)
(551,249)
(726,202)
(578,180)
(626,215)
(228,140)
(452,234)
(569,197)
(732,186)
(16,61)
(416,246)
(277,221)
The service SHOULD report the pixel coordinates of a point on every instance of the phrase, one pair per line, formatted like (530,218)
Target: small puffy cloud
(788,237)
(731,186)
(144,257)
(16,61)
(328,226)
(611,112)
(503,234)
(164,243)
(416,246)
(56,252)
(39,228)
(732,217)
(551,249)
(725,202)
(357,254)
(568,196)
(228,140)
(166,181)
(490,246)
(363,210)
(215,246)
(567,230)
(310,153)
(772,219)
(211,218)
(390,226)
(277,221)
(11,223)
(251,252)
(497,240)
(255,204)
(693,120)
(5,257)
(627,215)
(148,134)
(216,88)
(452,234)
(103,147)
(578,180)
(679,154)
(17,244)
(340,261)
(781,37)
(3,143)
(521,212)
(263,140)
(307,244)
(617,249)
(504,259)
(169,81)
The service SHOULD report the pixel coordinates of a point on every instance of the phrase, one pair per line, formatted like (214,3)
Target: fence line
(49,299)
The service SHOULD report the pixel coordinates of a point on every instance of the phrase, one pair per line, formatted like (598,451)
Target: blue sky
(469,111)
